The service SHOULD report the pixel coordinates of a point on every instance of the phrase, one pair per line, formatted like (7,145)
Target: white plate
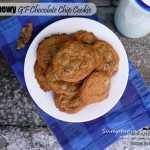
(118,83)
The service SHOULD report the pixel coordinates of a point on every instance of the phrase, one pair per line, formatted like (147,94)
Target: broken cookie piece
(25,36)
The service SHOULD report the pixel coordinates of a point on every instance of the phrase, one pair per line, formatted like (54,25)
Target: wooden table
(21,125)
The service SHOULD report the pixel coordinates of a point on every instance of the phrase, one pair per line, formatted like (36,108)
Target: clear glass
(131,19)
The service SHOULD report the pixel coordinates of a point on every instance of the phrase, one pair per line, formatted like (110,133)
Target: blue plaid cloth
(132,112)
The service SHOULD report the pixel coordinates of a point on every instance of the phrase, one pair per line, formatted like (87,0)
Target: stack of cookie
(77,67)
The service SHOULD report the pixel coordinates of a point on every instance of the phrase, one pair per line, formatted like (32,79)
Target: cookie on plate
(74,61)
(95,88)
(49,47)
(68,104)
(84,36)
(110,58)
(99,63)
(40,76)
(58,85)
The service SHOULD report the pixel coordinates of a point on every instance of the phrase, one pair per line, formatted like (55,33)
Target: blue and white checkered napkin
(132,112)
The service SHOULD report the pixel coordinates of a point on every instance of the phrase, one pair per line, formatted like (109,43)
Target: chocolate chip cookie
(58,85)
(74,62)
(40,76)
(95,88)
(49,47)
(110,58)
(68,104)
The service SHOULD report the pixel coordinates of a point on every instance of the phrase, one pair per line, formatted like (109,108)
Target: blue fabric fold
(131,113)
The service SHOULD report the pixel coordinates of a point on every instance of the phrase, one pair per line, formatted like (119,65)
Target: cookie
(84,37)
(44,86)
(58,85)
(40,76)
(25,36)
(95,88)
(68,104)
(99,63)
(110,58)
(49,47)
(74,62)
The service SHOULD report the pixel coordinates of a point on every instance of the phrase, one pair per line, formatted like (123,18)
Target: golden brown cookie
(110,58)
(99,63)
(49,47)
(58,85)
(74,62)
(95,88)
(84,36)
(40,76)
(25,36)
(68,104)
(43,85)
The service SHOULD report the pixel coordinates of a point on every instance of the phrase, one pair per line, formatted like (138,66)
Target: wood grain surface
(18,115)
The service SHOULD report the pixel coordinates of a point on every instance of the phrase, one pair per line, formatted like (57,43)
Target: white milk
(131,19)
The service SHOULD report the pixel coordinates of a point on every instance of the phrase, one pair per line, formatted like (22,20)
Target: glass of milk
(132,18)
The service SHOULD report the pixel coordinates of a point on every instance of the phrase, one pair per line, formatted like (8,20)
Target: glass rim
(143,5)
